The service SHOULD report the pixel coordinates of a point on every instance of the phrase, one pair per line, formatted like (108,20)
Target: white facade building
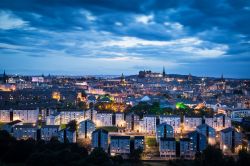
(190,123)
(104,119)
(91,114)
(132,122)
(5,116)
(67,116)
(54,119)
(149,124)
(119,120)
(218,122)
(26,116)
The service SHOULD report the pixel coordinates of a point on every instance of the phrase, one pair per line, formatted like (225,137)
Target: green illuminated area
(181,105)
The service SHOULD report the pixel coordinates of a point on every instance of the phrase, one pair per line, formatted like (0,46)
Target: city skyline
(114,37)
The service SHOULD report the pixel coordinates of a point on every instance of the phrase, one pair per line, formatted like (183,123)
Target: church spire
(222,77)
(163,72)
(122,79)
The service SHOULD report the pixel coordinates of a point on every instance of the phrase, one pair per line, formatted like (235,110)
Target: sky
(94,37)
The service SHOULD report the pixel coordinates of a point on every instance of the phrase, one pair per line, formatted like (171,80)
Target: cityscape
(151,83)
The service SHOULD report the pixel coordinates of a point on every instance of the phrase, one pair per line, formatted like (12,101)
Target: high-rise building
(100,139)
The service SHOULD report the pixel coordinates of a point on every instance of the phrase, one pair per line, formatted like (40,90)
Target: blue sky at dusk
(87,37)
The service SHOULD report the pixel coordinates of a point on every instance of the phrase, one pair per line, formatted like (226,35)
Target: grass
(63,126)
(151,141)
(1,124)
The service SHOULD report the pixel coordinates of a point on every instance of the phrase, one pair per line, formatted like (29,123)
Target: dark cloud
(81,28)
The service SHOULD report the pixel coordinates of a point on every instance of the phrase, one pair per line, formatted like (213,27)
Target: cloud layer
(203,37)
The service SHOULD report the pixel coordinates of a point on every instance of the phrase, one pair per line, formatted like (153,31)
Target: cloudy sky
(201,37)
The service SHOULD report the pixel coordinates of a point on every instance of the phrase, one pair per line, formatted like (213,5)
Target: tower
(5,77)
(222,78)
(163,72)
(189,77)
(122,79)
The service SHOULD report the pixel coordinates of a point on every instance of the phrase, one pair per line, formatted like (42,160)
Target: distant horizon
(117,75)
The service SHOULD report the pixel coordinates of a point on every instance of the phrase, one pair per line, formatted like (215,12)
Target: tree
(72,125)
(212,156)
(99,157)
(135,155)
(244,158)
(6,142)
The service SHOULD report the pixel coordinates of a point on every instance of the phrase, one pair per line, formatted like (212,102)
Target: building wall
(67,116)
(174,121)
(104,119)
(26,116)
(149,124)
(86,129)
(100,137)
(21,132)
(119,145)
(190,123)
(167,148)
(48,132)
(164,130)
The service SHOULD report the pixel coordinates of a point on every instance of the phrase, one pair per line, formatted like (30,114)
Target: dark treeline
(54,153)
(212,156)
